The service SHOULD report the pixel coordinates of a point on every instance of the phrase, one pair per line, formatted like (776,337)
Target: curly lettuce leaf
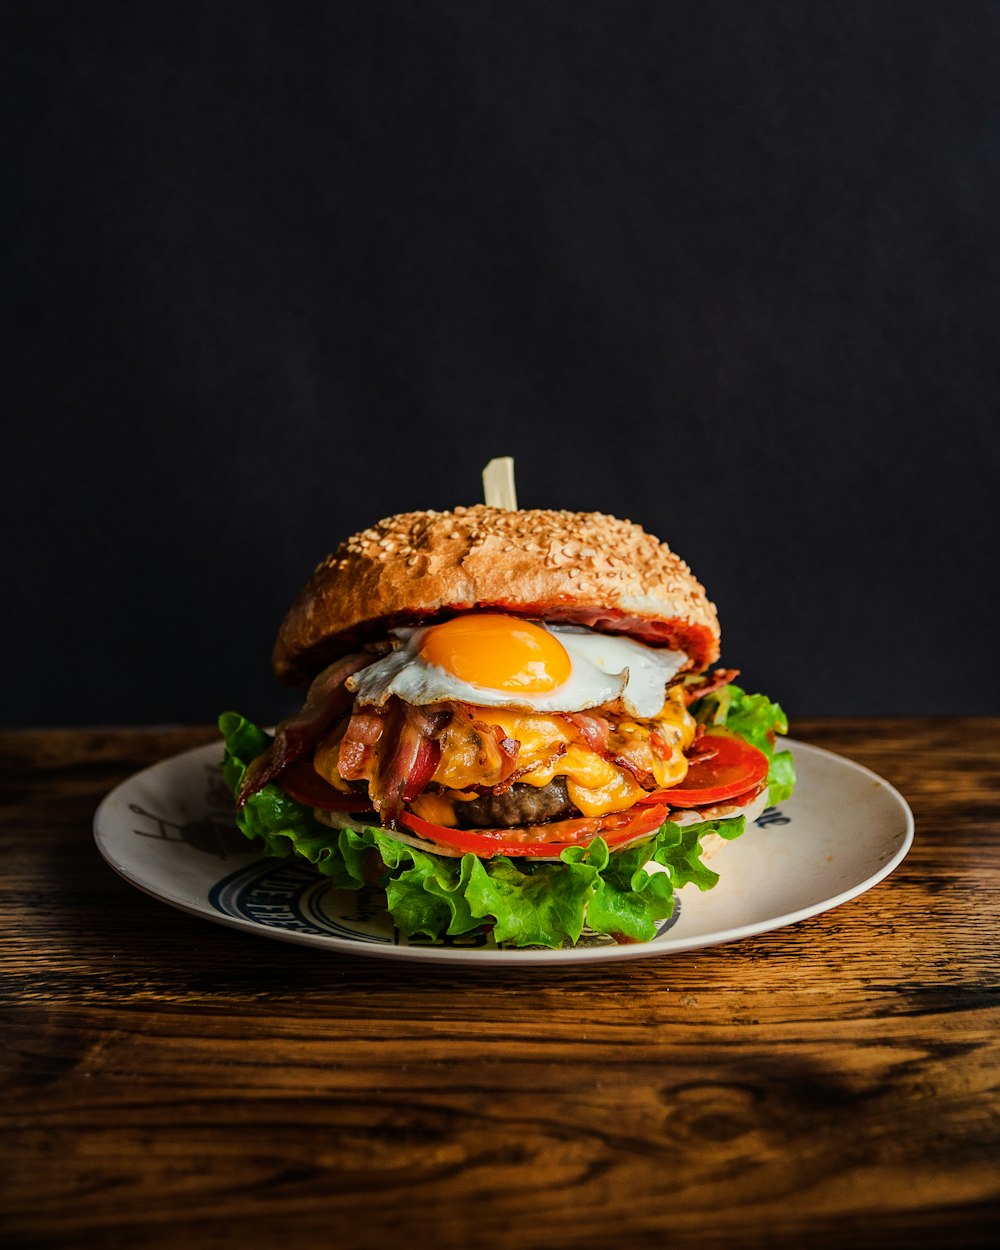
(758,720)
(532,904)
(527,903)
(283,825)
(630,900)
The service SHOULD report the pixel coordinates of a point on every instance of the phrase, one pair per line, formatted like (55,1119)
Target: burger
(514,722)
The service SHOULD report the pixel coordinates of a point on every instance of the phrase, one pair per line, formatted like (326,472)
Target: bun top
(579,567)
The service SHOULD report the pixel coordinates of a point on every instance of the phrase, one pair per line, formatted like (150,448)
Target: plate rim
(435,955)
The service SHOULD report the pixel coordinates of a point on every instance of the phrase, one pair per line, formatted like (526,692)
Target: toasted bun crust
(581,567)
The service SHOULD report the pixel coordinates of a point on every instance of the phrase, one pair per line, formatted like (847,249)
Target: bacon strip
(327,699)
(357,747)
(701,750)
(707,683)
(558,751)
(408,758)
(395,749)
(507,749)
(596,732)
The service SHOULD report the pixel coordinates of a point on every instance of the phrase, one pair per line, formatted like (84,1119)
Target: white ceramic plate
(169,830)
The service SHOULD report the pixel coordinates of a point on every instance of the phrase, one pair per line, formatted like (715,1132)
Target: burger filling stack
(512,725)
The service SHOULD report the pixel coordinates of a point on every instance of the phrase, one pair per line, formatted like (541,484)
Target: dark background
(280,269)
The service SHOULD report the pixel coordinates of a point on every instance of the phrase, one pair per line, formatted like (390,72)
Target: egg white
(603,668)
(646,669)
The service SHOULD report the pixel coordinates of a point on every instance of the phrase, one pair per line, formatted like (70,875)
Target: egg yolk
(499,652)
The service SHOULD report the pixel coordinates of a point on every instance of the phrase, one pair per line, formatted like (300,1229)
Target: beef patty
(520,805)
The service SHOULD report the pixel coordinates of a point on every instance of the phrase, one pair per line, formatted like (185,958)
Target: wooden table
(170,1082)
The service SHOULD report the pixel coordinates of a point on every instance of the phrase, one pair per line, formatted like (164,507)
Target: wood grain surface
(169,1082)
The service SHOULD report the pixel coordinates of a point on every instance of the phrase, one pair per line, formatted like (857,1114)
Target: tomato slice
(542,840)
(732,768)
(300,781)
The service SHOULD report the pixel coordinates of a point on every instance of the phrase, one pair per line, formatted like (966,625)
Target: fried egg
(492,660)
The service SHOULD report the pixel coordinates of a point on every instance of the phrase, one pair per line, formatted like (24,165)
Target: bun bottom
(713,842)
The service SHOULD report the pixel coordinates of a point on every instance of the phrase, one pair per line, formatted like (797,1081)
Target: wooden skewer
(498,484)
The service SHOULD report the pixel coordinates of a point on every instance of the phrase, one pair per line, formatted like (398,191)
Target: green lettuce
(758,720)
(525,902)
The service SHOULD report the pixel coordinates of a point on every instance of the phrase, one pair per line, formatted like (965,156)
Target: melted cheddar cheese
(552,747)
(549,747)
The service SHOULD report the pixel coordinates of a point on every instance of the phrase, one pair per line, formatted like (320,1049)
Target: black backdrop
(280,269)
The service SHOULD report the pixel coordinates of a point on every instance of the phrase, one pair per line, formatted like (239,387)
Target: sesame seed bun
(581,567)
